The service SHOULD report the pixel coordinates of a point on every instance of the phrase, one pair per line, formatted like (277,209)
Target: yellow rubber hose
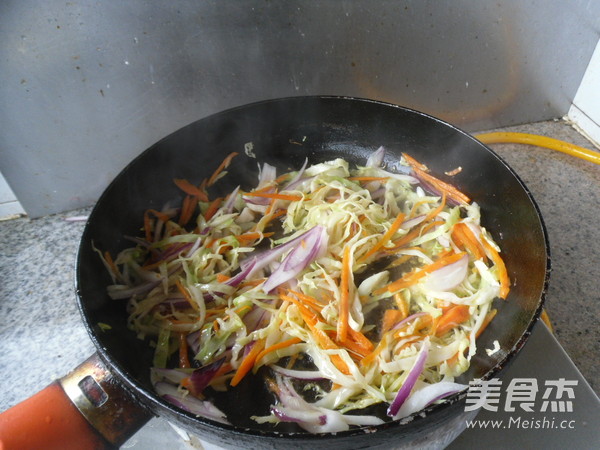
(546,319)
(540,141)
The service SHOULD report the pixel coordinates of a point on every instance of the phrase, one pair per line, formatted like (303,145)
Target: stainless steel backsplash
(87,85)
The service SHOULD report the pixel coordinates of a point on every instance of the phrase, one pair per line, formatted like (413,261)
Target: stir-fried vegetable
(361,285)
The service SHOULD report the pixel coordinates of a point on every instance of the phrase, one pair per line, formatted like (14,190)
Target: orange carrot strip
(544,317)
(278,213)
(222,278)
(269,217)
(344,306)
(383,343)
(414,163)
(187,383)
(187,295)
(465,236)
(220,169)
(322,338)
(295,301)
(434,212)
(308,300)
(442,186)
(402,305)
(247,362)
(357,342)
(413,277)
(251,282)
(413,339)
(224,369)
(413,210)
(386,237)
(190,189)
(265,189)
(253,236)
(213,208)
(149,224)
(159,215)
(224,249)
(214,311)
(282,178)
(421,170)
(275,347)
(488,318)
(340,364)
(148,227)
(453,359)
(404,240)
(501,267)
(184,361)
(111,264)
(443,261)
(360,339)
(405,281)
(269,209)
(187,209)
(390,318)
(273,195)
(183,213)
(413,234)
(451,318)
(242,309)
(422,322)
(356,350)
(399,261)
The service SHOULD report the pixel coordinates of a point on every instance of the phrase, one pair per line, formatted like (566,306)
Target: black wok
(284,132)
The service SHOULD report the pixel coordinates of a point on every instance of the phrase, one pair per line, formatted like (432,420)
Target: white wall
(585,111)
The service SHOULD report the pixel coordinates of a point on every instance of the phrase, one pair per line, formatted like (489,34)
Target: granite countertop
(43,336)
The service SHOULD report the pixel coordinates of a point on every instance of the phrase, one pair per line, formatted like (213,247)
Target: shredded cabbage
(363,266)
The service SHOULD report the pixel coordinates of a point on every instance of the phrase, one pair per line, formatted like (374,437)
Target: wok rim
(150,401)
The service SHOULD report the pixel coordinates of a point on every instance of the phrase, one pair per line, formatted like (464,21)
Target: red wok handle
(87,409)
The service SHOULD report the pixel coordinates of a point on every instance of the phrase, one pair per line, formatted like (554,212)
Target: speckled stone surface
(42,336)
(41,332)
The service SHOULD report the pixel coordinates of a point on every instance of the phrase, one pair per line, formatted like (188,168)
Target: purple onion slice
(297,179)
(261,260)
(314,419)
(411,379)
(428,395)
(228,206)
(200,378)
(408,319)
(375,159)
(190,403)
(311,245)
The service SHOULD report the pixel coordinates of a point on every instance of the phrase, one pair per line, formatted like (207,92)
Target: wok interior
(284,133)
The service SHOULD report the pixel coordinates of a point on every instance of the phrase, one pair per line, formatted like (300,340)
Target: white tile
(10,209)
(9,205)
